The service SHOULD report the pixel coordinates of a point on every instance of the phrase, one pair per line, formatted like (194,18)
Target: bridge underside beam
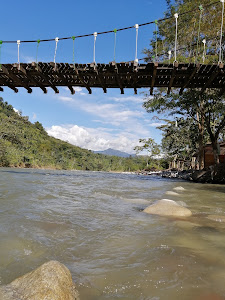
(189,79)
(113,75)
(212,77)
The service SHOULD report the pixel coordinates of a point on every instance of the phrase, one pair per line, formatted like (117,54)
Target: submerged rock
(171,193)
(166,207)
(216,218)
(179,188)
(51,281)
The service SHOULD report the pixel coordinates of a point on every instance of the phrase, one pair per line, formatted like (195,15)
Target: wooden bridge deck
(112,75)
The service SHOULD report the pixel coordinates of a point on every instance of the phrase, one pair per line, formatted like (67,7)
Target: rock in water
(51,281)
(166,207)
(179,188)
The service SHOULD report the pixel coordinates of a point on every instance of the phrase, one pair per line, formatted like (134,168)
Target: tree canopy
(198,21)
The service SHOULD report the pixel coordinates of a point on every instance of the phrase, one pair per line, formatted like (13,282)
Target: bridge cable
(221,33)
(111,31)
(56,44)
(175,50)
(73,38)
(38,43)
(95,37)
(115,31)
(136,26)
(1,54)
(18,44)
(199,28)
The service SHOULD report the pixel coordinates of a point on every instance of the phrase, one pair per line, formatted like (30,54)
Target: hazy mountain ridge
(113,152)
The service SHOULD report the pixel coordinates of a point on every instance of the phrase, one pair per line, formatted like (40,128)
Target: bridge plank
(15,79)
(213,75)
(113,75)
(39,71)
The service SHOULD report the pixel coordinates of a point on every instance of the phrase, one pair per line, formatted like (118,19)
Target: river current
(94,223)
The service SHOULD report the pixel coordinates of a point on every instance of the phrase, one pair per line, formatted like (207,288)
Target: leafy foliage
(203,21)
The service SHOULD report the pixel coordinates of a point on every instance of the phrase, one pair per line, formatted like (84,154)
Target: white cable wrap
(136,26)
(204,51)
(56,43)
(18,43)
(170,53)
(95,37)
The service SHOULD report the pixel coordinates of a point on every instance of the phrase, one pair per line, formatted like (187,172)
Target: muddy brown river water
(94,224)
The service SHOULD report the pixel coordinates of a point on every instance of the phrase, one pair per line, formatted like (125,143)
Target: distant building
(208,154)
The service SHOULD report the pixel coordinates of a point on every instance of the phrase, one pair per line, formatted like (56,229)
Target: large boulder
(166,207)
(51,281)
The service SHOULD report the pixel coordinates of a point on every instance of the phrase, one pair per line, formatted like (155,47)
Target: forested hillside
(23,144)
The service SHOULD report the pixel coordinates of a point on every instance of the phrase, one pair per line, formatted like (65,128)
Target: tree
(150,146)
(202,22)
(206,111)
(179,138)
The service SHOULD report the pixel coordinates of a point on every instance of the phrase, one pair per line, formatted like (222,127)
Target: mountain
(24,144)
(113,152)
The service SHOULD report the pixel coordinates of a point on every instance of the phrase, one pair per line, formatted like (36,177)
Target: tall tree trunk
(215,152)
(201,141)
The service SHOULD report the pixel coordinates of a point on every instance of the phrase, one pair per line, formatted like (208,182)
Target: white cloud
(34,117)
(94,139)
(109,113)
(134,99)
(16,110)
(156,124)
(65,99)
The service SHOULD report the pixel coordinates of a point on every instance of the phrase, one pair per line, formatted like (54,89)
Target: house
(208,154)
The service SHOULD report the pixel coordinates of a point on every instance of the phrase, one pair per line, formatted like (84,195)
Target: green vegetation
(195,117)
(203,22)
(23,144)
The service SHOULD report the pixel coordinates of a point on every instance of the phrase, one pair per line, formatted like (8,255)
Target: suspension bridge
(123,75)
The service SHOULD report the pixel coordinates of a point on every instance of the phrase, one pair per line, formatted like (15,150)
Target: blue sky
(98,121)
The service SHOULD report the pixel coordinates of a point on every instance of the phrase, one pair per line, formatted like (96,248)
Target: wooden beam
(38,70)
(153,77)
(81,79)
(212,77)
(101,82)
(118,81)
(56,70)
(16,79)
(135,70)
(190,78)
(31,79)
(71,89)
(172,77)
(103,86)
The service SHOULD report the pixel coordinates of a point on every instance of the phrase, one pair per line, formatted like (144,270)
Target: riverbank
(208,175)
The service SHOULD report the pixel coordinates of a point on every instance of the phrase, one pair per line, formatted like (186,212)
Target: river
(93,222)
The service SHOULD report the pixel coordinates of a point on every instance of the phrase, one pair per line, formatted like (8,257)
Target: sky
(98,121)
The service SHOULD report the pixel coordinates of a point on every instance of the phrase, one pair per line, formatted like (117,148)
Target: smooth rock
(51,281)
(171,193)
(179,188)
(166,207)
